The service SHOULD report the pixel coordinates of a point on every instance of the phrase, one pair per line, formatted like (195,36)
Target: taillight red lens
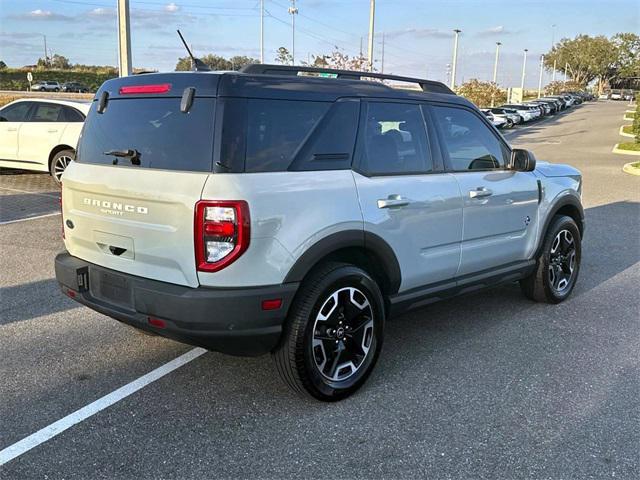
(221,233)
(158,88)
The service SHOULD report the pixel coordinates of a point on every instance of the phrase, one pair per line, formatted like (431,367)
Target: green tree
(60,62)
(283,56)
(628,54)
(481,93)
(239,61)
(214,62)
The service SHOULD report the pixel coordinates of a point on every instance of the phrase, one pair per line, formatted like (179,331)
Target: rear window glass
(164,137)
(275,130)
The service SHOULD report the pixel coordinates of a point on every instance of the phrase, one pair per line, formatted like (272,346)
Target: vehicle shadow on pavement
(33,300)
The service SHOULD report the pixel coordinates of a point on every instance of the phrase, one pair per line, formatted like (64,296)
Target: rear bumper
(228,320)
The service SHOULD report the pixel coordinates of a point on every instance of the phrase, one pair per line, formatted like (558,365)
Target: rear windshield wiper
(131,154)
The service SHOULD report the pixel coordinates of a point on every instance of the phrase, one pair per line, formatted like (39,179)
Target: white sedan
(40,134)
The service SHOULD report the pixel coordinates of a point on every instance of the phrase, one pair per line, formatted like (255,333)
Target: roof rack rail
(265,69)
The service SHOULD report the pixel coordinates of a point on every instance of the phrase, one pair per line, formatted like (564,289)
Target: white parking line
(78,416)
(30,218)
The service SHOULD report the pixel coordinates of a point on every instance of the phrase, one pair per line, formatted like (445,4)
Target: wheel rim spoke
(343,333)
(562,261)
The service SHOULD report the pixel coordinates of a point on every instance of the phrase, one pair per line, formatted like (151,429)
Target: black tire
(301,357)
(59,163)
(557,262)
(510,124)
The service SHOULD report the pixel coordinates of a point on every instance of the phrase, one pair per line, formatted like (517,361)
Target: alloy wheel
(60,165)
(562,262)
(343,334)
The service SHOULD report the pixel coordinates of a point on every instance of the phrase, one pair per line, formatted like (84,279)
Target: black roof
(274,82)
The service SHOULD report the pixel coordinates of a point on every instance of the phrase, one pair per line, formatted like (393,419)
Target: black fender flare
(570,201)
(345,239)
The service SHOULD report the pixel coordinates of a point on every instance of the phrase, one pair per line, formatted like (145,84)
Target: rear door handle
(393,201)
(12,129)
(52,130)
(480,192)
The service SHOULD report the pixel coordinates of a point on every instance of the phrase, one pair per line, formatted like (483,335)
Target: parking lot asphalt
(486,386)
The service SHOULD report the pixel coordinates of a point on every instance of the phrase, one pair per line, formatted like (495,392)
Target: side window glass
(468,142)
(330,146)
(275,130)
(394,140)
(46,112)
(16,113)
(71,115)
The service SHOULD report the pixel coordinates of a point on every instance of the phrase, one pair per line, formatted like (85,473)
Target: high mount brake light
(221,233)
(157,88)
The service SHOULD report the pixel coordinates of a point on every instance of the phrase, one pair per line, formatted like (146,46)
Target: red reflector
(159,88)
(156,322)
(273,304)
(220,229)
(71,293)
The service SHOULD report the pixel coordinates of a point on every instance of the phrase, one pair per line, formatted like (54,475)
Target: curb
(624,117)
(631,170)
(630,135)
(625,152)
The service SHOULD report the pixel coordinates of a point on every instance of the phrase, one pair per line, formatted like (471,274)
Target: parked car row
(47,86)
(512,114)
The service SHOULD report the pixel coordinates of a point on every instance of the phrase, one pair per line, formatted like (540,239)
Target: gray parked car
(264,211)
(46,86)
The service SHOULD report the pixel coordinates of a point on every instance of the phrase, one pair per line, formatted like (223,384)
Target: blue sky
(418,33)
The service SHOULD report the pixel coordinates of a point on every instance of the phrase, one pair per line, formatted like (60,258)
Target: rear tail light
(222,230)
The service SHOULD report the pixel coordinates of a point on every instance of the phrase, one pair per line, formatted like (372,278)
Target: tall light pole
(495,71)
(540,79)
(524,70)
(553,43)
(46,55)
(293,11)
(566,67)
(124,38)
(261,31)
(382,61)
(455,59)
(372,18)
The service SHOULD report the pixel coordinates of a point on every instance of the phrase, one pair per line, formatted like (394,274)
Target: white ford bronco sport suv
(278,210)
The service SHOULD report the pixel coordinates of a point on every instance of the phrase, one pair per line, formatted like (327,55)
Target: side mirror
(522,160)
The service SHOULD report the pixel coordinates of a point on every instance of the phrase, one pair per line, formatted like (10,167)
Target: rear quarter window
(275,130)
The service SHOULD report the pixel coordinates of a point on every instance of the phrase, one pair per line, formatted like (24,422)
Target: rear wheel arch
(362,249)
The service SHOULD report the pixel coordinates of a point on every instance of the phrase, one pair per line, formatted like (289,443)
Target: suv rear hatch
(142,162)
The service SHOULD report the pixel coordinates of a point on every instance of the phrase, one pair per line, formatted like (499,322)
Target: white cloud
(171,7)
(40,14)
(497,30)
(419,33)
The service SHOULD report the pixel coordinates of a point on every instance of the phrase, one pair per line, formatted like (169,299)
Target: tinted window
(468,142)
(165,137)
(275,130)
(394,140)
(330,146)
(71,115)
(16,112)
(46,112)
